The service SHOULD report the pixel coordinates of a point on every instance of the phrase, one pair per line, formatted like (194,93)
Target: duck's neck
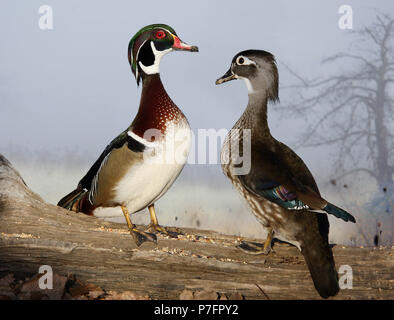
(255,115)
(156,108)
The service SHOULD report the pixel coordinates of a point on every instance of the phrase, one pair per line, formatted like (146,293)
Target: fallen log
(197,264)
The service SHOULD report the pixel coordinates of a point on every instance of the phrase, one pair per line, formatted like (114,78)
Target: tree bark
(35,233)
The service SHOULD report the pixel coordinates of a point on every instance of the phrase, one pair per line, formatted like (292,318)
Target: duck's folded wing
(89,181)
(292,189)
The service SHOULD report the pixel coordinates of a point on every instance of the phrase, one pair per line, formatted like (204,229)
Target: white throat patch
(154,68)
(248,84)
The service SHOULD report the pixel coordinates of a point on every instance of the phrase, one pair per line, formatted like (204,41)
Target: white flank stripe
(141,140)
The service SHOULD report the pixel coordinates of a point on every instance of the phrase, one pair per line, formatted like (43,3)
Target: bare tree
(353,108)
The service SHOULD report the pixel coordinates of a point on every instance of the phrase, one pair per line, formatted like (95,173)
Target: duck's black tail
(319,258)
(74,201)
(321,266)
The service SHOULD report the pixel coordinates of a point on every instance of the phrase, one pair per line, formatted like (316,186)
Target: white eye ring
(240,60)
(243,61)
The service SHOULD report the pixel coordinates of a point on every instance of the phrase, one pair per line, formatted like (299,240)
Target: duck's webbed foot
(154,225)
(156,228)
(139,236)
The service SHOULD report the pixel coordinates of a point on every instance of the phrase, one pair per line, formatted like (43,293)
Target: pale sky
(71,88)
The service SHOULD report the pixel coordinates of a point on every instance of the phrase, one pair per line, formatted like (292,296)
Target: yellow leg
(154,224)
(138,235)
(153,217)
(267,243)
(127,216)
(252,248)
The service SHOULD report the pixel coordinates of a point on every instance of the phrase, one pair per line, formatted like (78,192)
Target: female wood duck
(134,170)
(279,188)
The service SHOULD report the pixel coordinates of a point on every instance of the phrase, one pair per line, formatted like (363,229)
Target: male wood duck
(134,170)
(279,187)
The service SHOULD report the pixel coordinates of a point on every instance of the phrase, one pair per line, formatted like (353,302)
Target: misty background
(66,93)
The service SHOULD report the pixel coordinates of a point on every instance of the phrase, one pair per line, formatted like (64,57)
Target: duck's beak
(180,45)
(229,75)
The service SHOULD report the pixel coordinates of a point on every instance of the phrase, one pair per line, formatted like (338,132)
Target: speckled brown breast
(269,214)
(156,108)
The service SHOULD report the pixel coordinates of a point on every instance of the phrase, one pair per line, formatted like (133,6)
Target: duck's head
(258,69)
(149,45)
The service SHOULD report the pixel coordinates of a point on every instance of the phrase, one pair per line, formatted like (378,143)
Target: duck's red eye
(160,34)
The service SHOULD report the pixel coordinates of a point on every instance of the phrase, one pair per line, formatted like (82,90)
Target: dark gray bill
(226,77)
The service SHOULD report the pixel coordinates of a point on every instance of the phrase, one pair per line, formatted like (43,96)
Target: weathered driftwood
(34,233)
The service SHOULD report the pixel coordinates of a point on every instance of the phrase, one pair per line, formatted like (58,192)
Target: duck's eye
(160,34)
(240,60)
